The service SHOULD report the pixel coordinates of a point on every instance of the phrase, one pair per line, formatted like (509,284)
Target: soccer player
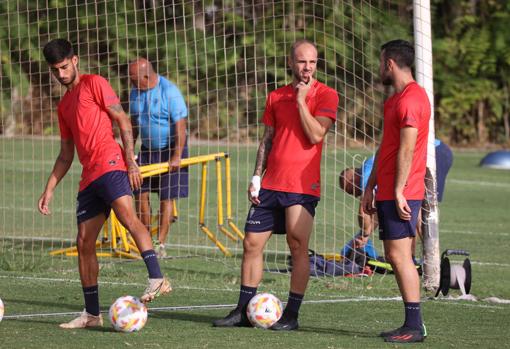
(297,118)
(158,113)
(399,173)
(354,181)
(85,116)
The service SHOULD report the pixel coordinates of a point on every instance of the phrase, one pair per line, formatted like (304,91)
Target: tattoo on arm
(126,132)
(264,150)
(127,141)
(64,161)
(116,108)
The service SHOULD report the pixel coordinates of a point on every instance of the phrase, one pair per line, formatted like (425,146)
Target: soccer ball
(1,310)
(128,314)
(264,310)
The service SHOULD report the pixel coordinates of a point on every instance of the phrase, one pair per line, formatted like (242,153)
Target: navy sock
(151,261)
(293,304)
(245,295)
(413,315)
(91,296)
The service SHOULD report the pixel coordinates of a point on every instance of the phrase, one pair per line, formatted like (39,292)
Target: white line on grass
(480,183)
(115,283)
(469,232)
(491,264)
(222,306)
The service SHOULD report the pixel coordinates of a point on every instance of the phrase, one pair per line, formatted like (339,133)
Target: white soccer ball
(128,314)
(264,310)
(1,310)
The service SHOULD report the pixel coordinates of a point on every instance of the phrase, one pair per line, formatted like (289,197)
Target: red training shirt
(409,108)
(294,163)
(82,117)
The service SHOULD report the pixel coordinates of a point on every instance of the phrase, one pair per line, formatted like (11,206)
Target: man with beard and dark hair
(399,174)
(297,118)
(85,115)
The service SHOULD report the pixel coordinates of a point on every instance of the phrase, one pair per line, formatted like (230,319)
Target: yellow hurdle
(118,242)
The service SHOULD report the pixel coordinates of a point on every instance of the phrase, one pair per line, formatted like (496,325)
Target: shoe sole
(64,326)
(389,340)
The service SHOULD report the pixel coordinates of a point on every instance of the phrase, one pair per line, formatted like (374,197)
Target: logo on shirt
(327,111)
(315,186)
(113,162)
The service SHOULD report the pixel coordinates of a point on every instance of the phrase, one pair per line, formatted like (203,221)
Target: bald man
(158,113)
(297,118)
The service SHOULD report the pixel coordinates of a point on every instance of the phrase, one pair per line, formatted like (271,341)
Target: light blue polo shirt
(157,110)
(366,170)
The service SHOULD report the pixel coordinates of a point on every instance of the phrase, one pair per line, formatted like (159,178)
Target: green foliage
(472,70)
(224,58)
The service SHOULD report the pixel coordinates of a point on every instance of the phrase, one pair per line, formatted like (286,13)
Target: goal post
(430,213)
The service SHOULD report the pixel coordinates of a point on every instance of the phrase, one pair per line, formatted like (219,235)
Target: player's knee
(252,246)
(394,257)
(297,246)
(85,245)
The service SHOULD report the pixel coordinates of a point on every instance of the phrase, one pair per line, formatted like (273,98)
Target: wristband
(255,181)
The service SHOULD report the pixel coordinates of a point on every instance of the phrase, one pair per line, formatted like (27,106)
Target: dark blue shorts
(391,227)
(444,160)
(97,197)
(269,215)
(168,185)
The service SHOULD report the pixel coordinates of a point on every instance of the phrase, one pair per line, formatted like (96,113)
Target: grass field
(339,313)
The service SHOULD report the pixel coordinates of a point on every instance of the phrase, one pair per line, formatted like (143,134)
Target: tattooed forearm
(118,115)
(116,108)
(127,141)
(64,161)
(264,150)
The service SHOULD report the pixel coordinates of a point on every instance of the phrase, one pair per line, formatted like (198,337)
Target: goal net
(225,57)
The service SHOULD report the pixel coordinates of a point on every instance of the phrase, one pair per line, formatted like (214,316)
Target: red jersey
(82,117)
(293,164)
(409,108)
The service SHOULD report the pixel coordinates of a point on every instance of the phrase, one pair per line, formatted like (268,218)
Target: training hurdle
(118,242)
(203,160)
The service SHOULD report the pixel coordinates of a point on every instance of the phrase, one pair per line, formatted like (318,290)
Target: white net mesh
(224,56)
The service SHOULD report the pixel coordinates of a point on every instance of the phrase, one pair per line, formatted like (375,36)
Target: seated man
(354,180)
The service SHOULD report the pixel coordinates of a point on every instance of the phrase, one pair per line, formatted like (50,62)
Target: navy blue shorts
(444,160)
(168,185)
(97,197)
(391,227)
(269,215)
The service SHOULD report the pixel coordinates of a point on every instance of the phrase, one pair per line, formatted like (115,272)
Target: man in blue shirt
(158,113)
(354,181)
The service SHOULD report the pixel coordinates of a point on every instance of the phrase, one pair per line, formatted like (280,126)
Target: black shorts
(97,197)
(269,215)
(168,185)
(391,226)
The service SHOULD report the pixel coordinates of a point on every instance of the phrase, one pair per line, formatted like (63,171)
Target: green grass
(474,216)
